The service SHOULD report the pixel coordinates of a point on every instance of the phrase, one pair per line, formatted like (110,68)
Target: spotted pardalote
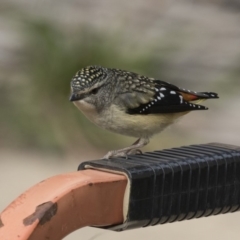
(131,104)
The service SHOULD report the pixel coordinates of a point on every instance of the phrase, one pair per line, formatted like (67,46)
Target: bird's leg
(133,149)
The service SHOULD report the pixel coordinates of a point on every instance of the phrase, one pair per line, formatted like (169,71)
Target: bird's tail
(197,97)
(209,95)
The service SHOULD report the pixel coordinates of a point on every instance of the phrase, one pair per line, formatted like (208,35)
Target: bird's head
(89,85)
(87,82)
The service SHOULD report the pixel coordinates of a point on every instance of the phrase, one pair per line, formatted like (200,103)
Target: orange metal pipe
(61,204)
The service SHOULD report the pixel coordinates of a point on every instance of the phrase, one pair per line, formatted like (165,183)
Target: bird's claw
(125,154)
(113,153)
(134,152)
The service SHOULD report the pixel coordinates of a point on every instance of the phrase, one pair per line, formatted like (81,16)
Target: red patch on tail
(189,97)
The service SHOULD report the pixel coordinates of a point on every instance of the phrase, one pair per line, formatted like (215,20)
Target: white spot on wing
(181,99)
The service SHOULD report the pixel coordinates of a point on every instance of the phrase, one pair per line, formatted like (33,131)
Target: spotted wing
(168,98)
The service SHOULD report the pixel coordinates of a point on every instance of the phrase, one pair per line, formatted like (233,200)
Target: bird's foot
(116,153)
(133,149)
(134,152)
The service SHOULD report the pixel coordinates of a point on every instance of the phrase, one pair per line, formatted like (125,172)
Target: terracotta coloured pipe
(61,204)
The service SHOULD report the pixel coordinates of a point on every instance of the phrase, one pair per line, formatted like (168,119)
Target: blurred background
(193,44)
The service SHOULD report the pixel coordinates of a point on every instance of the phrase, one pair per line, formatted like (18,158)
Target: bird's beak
(74,97)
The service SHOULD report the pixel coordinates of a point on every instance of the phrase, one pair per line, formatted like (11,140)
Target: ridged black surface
(177,184)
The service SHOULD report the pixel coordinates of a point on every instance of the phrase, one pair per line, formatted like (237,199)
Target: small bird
(131,104)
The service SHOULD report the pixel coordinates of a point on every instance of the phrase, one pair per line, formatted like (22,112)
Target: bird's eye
(94,91)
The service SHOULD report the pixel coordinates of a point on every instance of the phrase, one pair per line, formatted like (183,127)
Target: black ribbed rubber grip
(178,183)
